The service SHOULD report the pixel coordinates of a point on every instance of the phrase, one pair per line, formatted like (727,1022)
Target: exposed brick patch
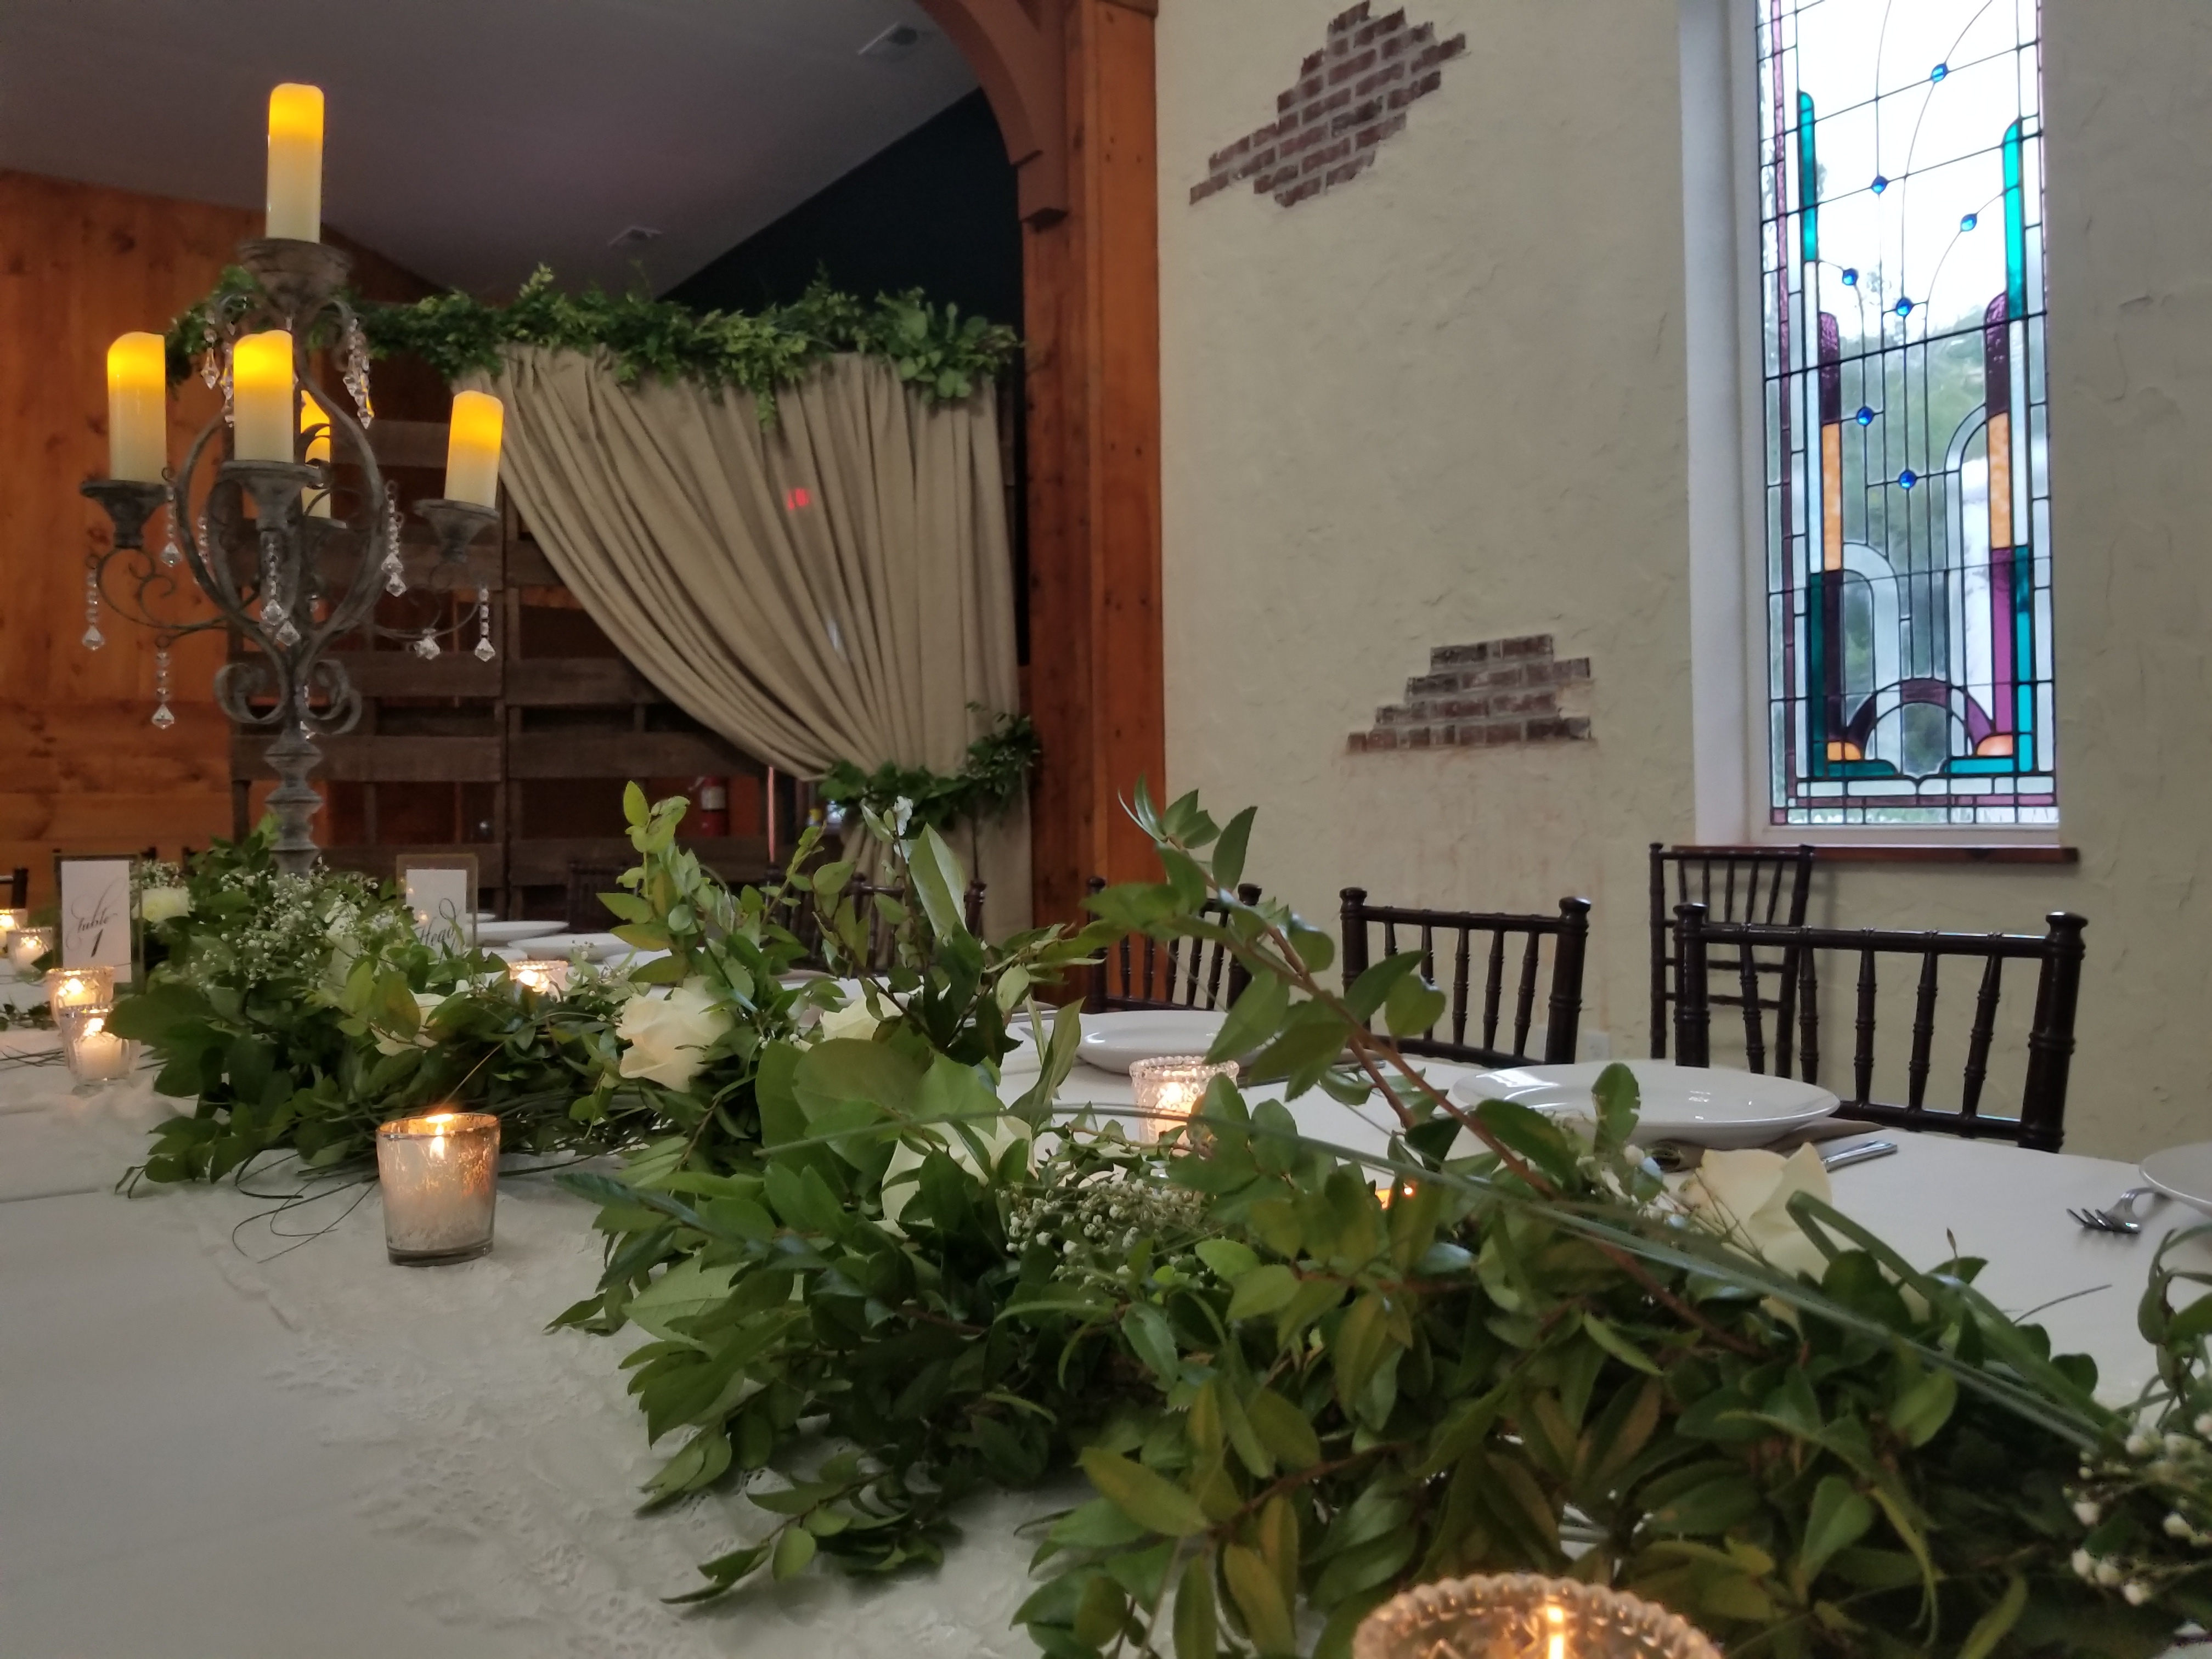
(1486,696)
(1349,97)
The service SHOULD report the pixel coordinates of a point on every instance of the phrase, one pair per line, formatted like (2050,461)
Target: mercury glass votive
(80,987)
(1169,1090)
(25,945)
(1522,1615)
(95,1055)
(546,977)
(440,1178)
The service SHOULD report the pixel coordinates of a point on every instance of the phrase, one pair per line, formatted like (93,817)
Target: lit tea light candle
(264,428)
(296,162)
(440,1178)
(546,978)
(1169,1090)
(25,945)
(472,448)
(95,1055)
(80,987)
(137,408)
(9,921)
(313,421)
(1520,1615)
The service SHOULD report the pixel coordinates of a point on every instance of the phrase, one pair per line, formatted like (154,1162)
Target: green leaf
(1618,1345)
(1259,1597)
(1228,1260)
(1840,1517)
(1618,1101)
(1150,1336)
(1149,1499)
(1371,988)
(1532,1136)
(1229,851)
(938,884)
(1253,1019)
(1263,1291)
(794,1550)
(1922,1409)
(1413,1007)
(1196,1620)
(684,1292)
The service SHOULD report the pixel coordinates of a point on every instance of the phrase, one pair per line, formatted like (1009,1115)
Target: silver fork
(2120,1218)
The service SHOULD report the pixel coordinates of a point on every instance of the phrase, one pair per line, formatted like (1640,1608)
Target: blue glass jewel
(1850,276)
(1865,417)
(1907,479)
(1904,308)
(1969,221)
(1939,71)
(1880,184)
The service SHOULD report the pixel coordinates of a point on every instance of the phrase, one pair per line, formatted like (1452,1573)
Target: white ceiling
(470,140)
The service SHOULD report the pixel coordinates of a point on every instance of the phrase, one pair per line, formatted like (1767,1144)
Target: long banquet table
(213,1445)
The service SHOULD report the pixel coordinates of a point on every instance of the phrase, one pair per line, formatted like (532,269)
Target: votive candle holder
(80,987)
(440,1177)
(546,975)
(1524,1615)
(94,1053)
(1169,1090)
(25,945)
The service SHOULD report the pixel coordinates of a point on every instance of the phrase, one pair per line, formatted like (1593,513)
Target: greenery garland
(869,1289)
(944,356)
(993,778)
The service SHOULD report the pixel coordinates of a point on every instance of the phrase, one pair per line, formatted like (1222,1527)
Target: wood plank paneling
(576,683)
(389,760)
(545,863)
(619,755)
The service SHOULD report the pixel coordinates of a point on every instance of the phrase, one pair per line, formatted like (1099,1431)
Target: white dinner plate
(513,933)
(561,947)
(1706,1106)
(1113,1042)
(2183,1172)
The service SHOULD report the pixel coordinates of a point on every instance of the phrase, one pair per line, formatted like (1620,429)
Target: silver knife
(1845,1157)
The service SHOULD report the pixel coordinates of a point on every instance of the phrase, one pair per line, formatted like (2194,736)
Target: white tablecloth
(210,1450)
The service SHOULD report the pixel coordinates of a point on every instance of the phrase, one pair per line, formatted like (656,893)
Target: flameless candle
(137,412)
(1170,1088)
(95,1055)
(25,945)
(312,419)
(440,1178)
(546,978)
(296,162)
(261,396)
(80,987)
(472,448)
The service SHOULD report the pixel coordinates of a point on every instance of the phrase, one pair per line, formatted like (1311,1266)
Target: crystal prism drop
(427,647)
(163,718)
(94,639)
(484,651)
(395,584)
(286,633)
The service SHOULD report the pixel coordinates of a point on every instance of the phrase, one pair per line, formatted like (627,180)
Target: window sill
(1868,852)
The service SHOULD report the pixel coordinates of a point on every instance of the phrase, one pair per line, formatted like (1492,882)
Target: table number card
(95,914)
(442,895)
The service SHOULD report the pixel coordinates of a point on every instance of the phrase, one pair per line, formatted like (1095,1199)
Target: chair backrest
(882,940)
(1767,885)
(586,883)
(1181,973)
(2041,1124)
(20,883)
(1569,932)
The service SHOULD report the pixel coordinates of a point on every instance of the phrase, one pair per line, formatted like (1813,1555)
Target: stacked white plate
(2183,1172)
(1114,1042)
(1702,1105)
(513,933)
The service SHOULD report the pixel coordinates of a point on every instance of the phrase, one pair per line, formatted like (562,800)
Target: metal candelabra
(289,582)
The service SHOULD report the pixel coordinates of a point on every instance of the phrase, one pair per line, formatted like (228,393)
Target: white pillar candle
(472,448)
(440,1178)
(264,427)
(1169,1089)
(137,408)
(296,162)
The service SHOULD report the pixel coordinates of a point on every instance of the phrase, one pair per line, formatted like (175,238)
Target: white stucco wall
(1447,402)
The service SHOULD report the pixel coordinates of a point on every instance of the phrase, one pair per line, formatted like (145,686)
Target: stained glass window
(1908,516)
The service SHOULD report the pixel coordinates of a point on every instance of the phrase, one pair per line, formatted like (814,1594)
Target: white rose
(668,1033)
(900,1174)
(853,1020)
(425,1002)
(1745,1197)
(164,903)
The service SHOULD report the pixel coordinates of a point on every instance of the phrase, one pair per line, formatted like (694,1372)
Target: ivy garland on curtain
(943,355)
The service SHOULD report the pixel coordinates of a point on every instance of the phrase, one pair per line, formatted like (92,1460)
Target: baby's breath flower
(2138,1445)
(2136,1592)
(2085,1564)
(2108,1573)
(2088,1511)
(2177,1527)
(2203,1424)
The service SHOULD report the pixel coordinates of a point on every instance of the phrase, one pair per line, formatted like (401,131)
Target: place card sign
(441,893)
(96,916)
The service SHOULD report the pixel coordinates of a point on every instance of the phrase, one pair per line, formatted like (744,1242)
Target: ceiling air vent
(895,43)
(635,236)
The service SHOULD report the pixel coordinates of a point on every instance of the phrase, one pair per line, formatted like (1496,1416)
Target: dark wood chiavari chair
(586,915)
(1178,972)
(19,885)
(882,940)
(1767,885)
(2041,1125)
(1569,932)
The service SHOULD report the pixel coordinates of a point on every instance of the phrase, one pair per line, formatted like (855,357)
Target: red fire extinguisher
(709,817)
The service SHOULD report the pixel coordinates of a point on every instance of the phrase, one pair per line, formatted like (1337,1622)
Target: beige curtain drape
(836,585)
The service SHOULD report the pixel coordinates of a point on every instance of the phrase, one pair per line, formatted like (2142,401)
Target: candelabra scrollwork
(293,575)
